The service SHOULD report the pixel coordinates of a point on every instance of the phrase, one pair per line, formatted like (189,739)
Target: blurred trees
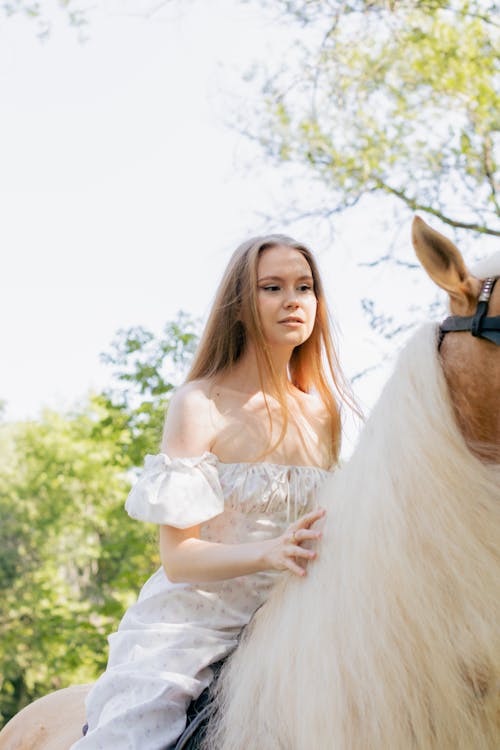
(68,553)
(71,560)
(146,368)
(395,97)
(43,12)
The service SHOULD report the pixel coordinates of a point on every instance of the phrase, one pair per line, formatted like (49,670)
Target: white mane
(487,267)
(393,639)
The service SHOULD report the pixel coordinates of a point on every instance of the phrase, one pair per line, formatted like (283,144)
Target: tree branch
(416,206)
(489,171)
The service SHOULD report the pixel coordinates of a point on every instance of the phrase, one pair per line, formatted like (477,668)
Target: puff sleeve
(179,492)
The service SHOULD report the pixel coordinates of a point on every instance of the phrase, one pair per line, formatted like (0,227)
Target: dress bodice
(267,487)
(233,502)
(262,499)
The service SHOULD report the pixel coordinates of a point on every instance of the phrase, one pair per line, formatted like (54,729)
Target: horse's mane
(392,640)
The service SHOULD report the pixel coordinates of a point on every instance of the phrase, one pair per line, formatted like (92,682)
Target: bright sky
(124,191)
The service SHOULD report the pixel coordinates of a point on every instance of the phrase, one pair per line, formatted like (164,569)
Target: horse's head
(471,363)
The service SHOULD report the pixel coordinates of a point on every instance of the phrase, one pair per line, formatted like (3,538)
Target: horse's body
(53,722)
(392,640)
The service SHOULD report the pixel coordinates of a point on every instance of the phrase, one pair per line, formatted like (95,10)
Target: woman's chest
(245,434)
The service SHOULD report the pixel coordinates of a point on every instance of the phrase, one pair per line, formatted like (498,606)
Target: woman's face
(285,296)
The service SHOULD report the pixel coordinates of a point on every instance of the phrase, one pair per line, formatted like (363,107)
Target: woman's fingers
(303,535)
(300,529)
(295,568)
(297,533)
(310,518)
(307,554)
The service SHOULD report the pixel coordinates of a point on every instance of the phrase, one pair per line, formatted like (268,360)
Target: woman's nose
(291,302)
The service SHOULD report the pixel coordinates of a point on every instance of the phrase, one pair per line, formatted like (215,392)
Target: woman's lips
(293,322)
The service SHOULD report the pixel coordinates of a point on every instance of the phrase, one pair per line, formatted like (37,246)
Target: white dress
(159,658)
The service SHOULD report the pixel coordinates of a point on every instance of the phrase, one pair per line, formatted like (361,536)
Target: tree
(147,368)
(397,97)
(41,12)
(71,560)
(69,555)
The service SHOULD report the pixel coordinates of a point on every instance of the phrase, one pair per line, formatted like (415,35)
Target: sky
(124,189)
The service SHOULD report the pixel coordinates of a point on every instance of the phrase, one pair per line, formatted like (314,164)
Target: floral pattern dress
(159,659)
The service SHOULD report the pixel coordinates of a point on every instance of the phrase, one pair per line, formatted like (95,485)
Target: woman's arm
(188,559)
(190,431)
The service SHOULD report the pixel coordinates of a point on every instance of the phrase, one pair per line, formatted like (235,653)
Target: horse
(392,639)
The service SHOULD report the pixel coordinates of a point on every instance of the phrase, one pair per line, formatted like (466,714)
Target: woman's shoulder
(189,427)
(193,394)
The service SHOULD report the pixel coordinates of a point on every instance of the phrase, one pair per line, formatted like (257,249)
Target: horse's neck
(472,372)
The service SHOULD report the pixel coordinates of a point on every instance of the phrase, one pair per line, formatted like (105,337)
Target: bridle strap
(479,324)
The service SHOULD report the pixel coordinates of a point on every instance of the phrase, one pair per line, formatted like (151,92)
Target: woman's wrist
(262,560)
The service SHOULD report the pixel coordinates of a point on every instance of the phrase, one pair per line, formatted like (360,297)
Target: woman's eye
(276,288)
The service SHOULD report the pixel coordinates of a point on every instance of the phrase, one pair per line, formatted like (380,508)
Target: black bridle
(479,324)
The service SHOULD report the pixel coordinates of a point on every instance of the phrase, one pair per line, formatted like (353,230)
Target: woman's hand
(188,559)
(284,551)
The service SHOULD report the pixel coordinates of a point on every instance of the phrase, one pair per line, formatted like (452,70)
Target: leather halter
(479,324)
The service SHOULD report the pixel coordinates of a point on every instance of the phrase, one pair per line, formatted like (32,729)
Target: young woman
(248,440)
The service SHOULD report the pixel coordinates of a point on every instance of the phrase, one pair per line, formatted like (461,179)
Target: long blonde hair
(312,364)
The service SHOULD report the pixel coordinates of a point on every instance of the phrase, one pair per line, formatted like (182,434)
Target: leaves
(400,98)
(71,560)
(42,13)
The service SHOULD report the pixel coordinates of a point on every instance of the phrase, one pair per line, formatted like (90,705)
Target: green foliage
(397,97)
(146,371)
(71,560)
(69,555)
(41,12)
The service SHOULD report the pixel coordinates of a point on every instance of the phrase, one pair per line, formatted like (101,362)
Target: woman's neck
(244,375)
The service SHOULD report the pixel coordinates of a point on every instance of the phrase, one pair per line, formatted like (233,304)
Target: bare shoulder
(192,395)
(189,429)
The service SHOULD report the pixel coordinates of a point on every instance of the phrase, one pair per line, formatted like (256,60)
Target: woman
(248,440)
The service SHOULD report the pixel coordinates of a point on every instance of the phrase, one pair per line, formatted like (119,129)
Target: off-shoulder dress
(159,659)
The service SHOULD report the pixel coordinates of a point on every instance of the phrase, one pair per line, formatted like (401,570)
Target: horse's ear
(443,261)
